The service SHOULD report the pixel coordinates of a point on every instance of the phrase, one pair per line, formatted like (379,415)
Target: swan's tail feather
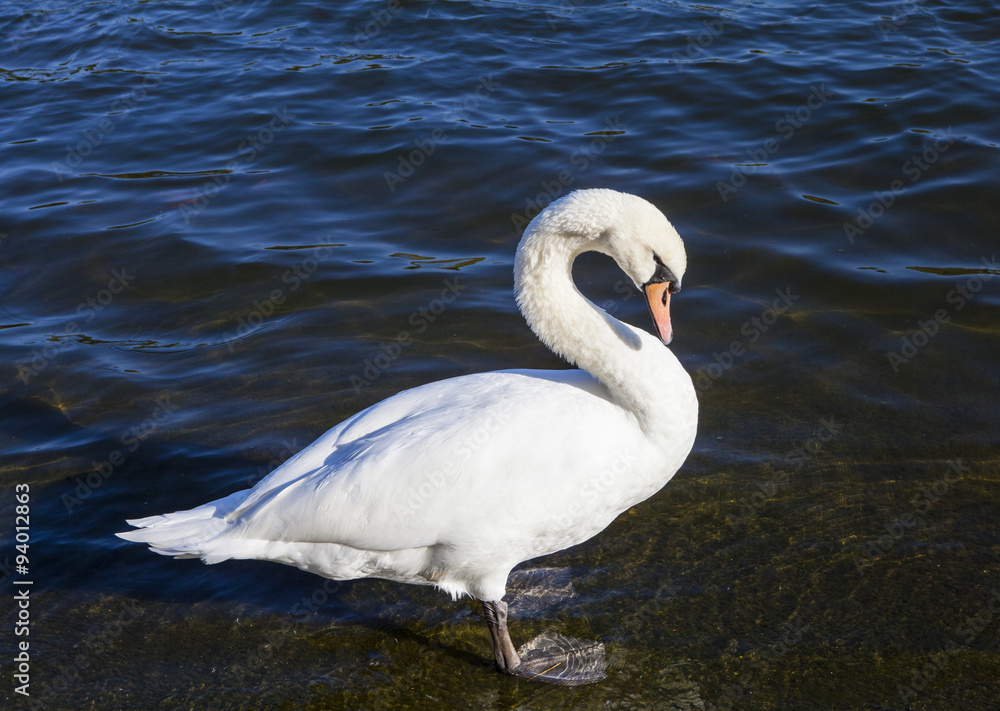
(212,533)
(196,533)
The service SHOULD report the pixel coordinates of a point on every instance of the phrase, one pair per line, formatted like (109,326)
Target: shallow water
(225,228)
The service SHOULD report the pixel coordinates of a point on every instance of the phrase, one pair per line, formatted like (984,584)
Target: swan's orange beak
(658,300)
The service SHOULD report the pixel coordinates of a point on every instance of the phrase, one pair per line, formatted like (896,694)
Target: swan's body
(455,482)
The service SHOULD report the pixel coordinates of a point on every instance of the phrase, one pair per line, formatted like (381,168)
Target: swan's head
(648,249)
(630,230)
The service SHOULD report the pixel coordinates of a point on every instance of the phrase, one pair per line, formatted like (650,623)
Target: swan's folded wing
(407,471)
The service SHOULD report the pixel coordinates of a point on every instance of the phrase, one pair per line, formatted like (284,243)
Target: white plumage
(455,482)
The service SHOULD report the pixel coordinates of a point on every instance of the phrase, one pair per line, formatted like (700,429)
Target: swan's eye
(663,275)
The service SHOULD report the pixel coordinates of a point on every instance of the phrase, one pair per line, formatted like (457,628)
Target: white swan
(455,482)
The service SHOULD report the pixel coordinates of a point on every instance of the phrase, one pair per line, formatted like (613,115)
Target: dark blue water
(224,228)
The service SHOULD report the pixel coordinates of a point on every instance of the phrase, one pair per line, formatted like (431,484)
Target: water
(225,228)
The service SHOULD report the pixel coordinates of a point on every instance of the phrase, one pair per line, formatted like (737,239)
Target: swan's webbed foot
(549,657)
(557,659)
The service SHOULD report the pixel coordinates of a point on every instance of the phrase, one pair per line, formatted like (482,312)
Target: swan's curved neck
(581,332)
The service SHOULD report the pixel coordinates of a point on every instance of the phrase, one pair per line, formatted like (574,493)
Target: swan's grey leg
(503,649)
(550,657)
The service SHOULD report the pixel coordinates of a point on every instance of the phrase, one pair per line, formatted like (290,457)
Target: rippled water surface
(224,228)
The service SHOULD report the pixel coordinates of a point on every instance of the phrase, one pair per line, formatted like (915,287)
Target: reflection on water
(227,228)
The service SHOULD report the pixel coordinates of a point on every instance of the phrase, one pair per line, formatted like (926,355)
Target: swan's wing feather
(412,469)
